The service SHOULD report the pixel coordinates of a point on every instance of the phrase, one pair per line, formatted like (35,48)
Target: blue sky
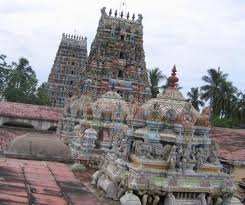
(195,35)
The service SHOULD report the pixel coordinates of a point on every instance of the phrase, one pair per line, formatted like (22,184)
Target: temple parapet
(75,40)
(121,21)
(121,16)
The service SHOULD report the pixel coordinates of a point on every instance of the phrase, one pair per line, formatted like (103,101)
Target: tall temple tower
(65,75)
(117,60)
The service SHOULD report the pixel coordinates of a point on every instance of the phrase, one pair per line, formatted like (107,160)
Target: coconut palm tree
(212,90)
(155,77)
(228,100)
(194,98)
(241,106)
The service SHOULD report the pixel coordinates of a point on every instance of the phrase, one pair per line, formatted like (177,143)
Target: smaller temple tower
(65,74)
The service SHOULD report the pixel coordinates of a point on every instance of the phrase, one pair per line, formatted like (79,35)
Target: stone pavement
(41,183)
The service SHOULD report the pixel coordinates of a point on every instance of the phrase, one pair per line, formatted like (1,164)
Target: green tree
(22,83)
(194,98)
(42,94)
(155,77)
(212,90)
(228,100)
(224,99)
(241,106)
(4,73)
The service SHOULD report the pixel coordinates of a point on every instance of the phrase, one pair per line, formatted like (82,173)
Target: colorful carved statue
(154,113)
(187,117)
(203,119)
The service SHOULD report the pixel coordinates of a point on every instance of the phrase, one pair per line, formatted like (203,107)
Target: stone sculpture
(170,199)
(213,156)
(154,113)
(202,199)
(130,198)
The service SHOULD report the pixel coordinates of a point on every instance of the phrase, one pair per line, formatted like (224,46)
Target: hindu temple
(149,151)
(155,153)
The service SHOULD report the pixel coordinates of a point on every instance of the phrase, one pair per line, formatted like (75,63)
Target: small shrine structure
(159,152)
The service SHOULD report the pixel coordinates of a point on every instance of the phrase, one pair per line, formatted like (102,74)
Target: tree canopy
(226,102)
(22,82)
(19,83)
(194,97)
(4,74)
(42,97)
(155,77)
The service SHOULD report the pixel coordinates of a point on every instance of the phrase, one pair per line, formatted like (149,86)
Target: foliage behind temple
(18,83)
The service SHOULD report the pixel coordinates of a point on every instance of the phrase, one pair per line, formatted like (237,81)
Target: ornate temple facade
(65,75)
(158,152)
(117,59)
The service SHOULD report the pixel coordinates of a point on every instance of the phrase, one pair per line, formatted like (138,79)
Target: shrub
(225,122)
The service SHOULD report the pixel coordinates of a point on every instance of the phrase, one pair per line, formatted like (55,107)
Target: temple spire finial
(121,14)
(173,79)
(133,17)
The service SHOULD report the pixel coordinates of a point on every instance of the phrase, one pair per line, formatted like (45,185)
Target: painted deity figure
(132,108)
(187,117)
(67,109)
(213,153)
(154,113)
(96,112)
(122,148)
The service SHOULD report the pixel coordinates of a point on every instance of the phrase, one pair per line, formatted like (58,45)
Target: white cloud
(194,35)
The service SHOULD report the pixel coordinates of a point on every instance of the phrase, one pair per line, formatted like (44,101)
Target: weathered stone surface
(38,146)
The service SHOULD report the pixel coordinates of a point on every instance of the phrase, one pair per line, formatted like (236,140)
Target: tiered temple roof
(117,58)
(65,75)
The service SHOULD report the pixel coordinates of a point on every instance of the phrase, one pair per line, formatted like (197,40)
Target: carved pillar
(170,199)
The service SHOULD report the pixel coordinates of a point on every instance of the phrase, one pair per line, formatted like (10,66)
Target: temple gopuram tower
(65,74)
(117,60)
